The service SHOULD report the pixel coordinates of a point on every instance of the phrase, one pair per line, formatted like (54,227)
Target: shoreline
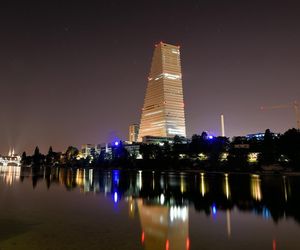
(204,170)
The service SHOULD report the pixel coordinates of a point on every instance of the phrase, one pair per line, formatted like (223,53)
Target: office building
(133,132)
(163,109)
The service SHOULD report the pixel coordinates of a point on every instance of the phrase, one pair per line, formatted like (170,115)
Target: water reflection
(163,227)
(255,187)
(10,174)
(162,200)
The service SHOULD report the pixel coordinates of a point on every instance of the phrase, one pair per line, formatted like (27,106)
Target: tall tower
(222,126)
(163,110)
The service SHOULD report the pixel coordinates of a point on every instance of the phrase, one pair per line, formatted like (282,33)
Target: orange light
(143,237)
(187,243)
(167,245)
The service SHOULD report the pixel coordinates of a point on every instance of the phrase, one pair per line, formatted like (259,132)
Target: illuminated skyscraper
(163,110)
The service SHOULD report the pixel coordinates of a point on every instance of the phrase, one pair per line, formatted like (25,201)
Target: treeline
(202,150)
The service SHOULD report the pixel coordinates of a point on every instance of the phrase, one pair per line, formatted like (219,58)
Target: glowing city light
(256,187)
(12,173)
(131,207)
(202,185)
(182,184)
(226,187)
(116,197)
(117,143)
(162,199)
(140,180)
(167,244)
(143,237)
(116,176)
(178,213)
(214,209)
(187,243)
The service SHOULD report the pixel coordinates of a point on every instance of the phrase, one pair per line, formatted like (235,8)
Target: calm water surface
(92,209)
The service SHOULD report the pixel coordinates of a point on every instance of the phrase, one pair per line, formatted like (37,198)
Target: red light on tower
(143,237)
(167,245)
(187,243)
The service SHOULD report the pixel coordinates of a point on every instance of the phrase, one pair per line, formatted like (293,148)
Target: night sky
(76,72)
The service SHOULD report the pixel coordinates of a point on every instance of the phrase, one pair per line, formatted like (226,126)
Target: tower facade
(163,110)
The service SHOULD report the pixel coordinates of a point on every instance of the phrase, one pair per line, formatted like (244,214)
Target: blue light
(117,143)
(115,197)
(266,213)
(210,137)
(116,177)
(214,209)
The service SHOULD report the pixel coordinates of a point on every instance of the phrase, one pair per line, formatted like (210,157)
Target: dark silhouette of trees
(151,151)
(25,160)
(178,139)
(269,152)
(218,145)
(50,157)
(71,154)
(238,152)
(199,144)
(289,144)
(37,158)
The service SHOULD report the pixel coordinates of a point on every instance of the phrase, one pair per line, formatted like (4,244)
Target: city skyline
(73,74)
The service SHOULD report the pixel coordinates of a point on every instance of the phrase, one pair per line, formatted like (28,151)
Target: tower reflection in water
(162,200)
(163,227)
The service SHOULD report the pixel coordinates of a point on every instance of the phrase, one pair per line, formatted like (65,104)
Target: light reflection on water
(10,174)
(184,210)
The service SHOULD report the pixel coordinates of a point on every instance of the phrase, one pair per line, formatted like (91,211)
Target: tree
(195,145)
(71,154)
(269,150)
(24,158)
(218,146)
(152,151)
(37,157)
(289,145)
(50,156)
(200,143)
(238,152)
(178,139)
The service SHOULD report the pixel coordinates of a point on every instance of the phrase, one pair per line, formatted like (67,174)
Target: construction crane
(293,105)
